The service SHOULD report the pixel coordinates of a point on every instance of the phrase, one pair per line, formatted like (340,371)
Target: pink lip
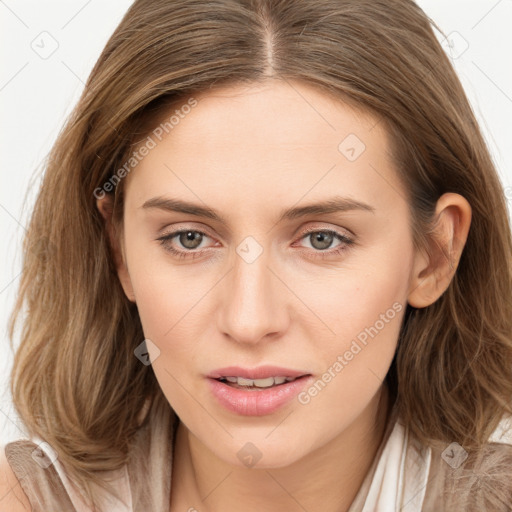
(256,402)
(262,372)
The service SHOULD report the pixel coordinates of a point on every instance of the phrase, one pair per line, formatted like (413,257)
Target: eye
(190,239)
(322,239)
(187,243)
(187,240)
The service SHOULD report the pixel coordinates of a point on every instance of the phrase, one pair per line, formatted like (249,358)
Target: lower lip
(257,403)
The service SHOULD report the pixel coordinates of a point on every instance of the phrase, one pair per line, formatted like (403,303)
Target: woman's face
(296,253)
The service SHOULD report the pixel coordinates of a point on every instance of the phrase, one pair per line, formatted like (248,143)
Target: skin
(249,153)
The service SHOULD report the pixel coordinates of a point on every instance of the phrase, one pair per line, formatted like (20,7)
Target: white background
(37,93)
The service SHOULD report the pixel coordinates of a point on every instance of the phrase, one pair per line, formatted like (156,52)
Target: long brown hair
(75,380)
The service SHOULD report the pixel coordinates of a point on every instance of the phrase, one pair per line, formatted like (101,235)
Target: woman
(272,273)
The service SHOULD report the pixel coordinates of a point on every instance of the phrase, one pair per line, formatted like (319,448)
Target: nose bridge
(251,308)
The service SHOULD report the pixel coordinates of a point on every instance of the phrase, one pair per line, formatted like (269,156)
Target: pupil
(324,240)
(190,239)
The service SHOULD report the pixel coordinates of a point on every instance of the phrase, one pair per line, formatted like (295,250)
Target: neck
(327,479)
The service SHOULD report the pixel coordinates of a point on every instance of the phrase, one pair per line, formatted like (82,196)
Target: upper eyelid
(171,233)
(339,231)
(308,229)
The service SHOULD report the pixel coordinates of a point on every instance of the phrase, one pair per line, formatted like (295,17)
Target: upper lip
(261,372)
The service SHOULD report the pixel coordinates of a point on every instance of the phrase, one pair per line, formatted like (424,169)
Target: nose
(253,307)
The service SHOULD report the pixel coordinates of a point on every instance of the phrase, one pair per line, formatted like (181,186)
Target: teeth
(259,383)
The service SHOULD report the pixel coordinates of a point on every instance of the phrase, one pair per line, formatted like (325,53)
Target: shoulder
(12,496)
(472,481)
(30,480)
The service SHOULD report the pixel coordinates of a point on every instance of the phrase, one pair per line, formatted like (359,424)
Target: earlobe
(434,268)
(105,207)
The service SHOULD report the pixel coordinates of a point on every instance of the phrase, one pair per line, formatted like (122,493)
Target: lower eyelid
(343,239)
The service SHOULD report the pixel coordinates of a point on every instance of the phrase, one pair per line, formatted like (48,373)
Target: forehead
(295,111)
(280,137)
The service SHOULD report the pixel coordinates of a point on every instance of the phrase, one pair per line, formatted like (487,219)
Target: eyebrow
(331,205)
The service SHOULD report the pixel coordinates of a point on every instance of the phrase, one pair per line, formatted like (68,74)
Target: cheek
(162,296)
(168,309)
(364,308)
(170,318)
(356,360)
(363,301)
(366,321)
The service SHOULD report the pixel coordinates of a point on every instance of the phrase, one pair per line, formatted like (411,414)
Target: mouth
(256,384)
(261,377)
(256,392)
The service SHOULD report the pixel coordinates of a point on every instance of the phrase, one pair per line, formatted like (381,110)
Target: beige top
(405,475)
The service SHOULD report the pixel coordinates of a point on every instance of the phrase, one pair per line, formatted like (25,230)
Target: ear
(106,207)
(434,267)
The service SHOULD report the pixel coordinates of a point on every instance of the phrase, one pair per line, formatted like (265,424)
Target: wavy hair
(75,381)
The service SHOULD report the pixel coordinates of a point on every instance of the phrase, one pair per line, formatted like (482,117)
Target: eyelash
(346,242)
